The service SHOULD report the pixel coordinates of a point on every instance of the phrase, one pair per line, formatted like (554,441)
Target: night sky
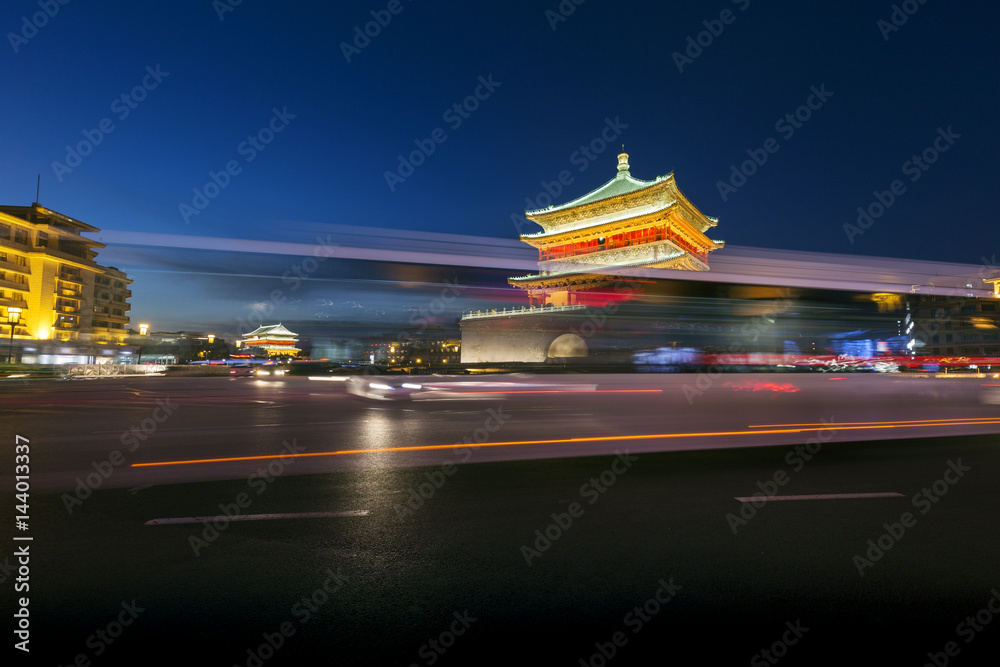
(125,109)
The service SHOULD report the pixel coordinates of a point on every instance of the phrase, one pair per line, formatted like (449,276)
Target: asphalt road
(542,553)
(142,425)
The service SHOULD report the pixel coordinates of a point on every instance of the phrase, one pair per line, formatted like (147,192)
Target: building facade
(48,270)
(413,352)
(955,325)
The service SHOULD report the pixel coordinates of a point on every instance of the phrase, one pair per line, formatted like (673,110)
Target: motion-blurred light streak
(610,438)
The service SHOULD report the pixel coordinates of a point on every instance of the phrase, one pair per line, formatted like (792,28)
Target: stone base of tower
(535,338)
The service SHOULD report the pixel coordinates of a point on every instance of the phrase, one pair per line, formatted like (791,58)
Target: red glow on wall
(753,385)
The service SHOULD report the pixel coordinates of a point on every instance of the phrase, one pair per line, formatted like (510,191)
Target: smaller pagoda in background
(273,340)
(586,244)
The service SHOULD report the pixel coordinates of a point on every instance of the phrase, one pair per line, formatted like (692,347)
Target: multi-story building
(413,352)
(961,325)
(111,295)
(48,269)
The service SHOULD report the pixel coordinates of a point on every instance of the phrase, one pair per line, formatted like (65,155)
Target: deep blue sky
(608,60)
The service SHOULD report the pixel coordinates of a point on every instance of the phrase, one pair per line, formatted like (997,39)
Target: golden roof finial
(623,163)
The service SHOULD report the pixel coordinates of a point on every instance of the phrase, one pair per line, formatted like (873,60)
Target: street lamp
(13,315)
(143,328)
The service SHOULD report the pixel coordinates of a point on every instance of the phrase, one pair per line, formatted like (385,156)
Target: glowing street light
(143,328)
(13,315)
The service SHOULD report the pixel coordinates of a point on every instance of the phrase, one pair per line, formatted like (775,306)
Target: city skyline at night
(857,129)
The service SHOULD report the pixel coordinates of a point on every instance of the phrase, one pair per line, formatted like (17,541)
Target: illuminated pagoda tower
(624,224)
(586,249)
(273,340)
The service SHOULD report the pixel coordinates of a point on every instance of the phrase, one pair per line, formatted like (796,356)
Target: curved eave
(552,227)
(528,238)
(535,240)
(616,187)
(599,269)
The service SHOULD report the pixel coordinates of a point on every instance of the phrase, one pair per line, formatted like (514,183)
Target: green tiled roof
(622,184)
(273,330)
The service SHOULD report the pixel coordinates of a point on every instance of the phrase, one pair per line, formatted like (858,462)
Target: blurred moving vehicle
(241,369)
(271,370)
(382,387)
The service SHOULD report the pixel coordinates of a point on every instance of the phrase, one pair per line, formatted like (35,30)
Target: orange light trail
(561,441)
(956,421)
